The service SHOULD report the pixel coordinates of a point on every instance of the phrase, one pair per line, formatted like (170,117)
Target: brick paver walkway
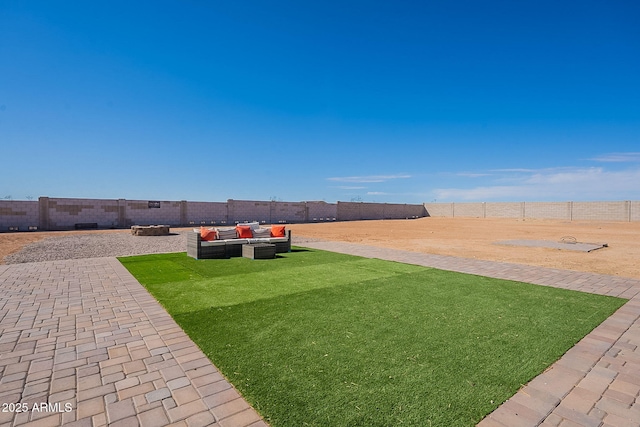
(596,383)
(83,344)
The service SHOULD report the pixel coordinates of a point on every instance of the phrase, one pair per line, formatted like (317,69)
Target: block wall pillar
(183,213)
(43,211)
(122,213)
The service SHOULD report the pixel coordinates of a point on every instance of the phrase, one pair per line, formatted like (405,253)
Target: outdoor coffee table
(259,250)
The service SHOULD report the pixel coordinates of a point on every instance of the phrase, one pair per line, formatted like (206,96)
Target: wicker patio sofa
(226,248)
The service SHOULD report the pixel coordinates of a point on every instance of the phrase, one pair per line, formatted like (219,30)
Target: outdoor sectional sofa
(228,241)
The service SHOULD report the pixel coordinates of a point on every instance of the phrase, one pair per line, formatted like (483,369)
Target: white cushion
(227,233)
(261,232)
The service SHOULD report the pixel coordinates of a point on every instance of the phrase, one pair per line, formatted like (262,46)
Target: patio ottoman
(259,250)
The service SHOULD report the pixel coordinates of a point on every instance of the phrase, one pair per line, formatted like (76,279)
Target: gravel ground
(97,245)
(103,245)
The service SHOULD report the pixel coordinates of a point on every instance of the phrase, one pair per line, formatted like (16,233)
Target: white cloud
(472,174)
(369,178)
(377,193)
(566,176)
(516,170)
(350,187)
(618,157)
(555,184)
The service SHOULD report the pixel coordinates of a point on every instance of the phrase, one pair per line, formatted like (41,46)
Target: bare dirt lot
(463,237)
(477,237)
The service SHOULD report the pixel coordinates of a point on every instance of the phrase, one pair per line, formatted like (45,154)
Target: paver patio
(87,334)
(85,339)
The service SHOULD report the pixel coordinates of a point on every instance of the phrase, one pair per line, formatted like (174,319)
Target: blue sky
(400,101)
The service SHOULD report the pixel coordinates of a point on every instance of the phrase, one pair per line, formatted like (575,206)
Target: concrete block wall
(321,211)
(271,212)
(476,210)
(207,213)
(613,211)
(249,210)
(16,215)
(65,213)
(139,212)
(503,210)
(354,211)
(402,211)
(62,214)
(634,207)
(548,210)
(440,209)
(288,212)
(349,211)
(571,211)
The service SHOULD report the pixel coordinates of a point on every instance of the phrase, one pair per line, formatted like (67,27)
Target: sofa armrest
(193,245)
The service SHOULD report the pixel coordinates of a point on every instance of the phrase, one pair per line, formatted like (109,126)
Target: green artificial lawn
(315,338)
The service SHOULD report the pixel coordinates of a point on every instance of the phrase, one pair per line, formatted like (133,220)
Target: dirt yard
(476,238)
(463,237)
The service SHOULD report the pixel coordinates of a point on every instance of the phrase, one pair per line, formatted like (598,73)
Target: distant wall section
(206,213)
(548,210)
(355,211)
(62,214)
(614,211)
(635,211)
(18,215)
(144,212)
(570,211)
(67,213)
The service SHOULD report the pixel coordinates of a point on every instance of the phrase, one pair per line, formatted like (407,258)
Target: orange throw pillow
(277,231)
(244,232)
(208,235)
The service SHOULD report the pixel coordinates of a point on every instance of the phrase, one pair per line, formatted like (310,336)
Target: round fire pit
(150,230)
